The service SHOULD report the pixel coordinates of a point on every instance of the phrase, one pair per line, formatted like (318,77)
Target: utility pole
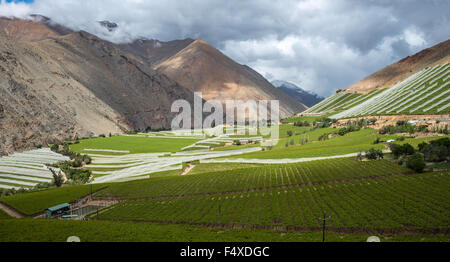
(324,219)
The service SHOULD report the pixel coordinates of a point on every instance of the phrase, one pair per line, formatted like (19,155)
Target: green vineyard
(412,202)
(247,179)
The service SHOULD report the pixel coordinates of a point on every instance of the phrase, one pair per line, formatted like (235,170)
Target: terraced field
(385,204)
(255,178)
(426,92)
(27,169)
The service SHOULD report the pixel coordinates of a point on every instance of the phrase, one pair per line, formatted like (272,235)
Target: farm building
(57,210)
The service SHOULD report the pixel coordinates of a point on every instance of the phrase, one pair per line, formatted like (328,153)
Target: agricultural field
(131,144)
(354,142)
(40,230)
(37,201)
(28,169)
(297,118)
(114,168)
(350,143)
(278,195)
(384,204)
(426,92)
(247,179)
(3,215)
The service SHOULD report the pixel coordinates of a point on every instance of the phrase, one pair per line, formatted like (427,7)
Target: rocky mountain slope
(77,85)
(56,83)
(397,72)
(202,68)
(34,29)
(153,52)
(302,96)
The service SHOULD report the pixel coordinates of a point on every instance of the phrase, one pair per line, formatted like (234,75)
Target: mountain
(202,68)
(154,51)
(57,84)
(416,85)
(397,72)
(110,26)
(34,29)
(77,85)
(302,96)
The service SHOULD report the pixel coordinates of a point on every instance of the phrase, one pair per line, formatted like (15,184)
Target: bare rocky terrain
(77,85)
(202,68)
(153,51)
(56,83)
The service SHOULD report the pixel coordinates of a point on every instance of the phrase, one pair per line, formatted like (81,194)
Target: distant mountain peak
(305,97)
(110,26)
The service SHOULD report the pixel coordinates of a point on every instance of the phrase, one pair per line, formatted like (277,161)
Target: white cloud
(414,38)
(20,10)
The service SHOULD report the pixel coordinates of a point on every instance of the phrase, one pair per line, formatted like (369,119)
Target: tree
(374,154)
(435,151)
(54,147)
(399,150)
(416,162)
(57,178)
(359,156)
(377,141)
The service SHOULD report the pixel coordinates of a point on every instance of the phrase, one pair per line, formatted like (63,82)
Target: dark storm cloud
(320,45)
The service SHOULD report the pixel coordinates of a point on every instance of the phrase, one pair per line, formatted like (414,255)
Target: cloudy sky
(320,45)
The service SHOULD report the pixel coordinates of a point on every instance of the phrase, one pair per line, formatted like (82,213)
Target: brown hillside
(153,51)
(75,85)
(200,67)
(390,75)
(35,29)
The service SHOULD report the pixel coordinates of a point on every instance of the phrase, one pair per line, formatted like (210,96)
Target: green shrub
(436,151)
(399,150)
(416,162)
(374,154)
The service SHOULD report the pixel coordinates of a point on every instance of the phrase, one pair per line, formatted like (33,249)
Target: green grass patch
(308,119)
(208,168)
(440,166)
(3,215)
(133,144)
(349,143)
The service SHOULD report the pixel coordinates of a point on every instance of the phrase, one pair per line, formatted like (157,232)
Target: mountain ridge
(305,97)
(399,71)
(203,68)
(77,85)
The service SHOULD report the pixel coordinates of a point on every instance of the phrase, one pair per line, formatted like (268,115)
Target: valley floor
(240,193)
